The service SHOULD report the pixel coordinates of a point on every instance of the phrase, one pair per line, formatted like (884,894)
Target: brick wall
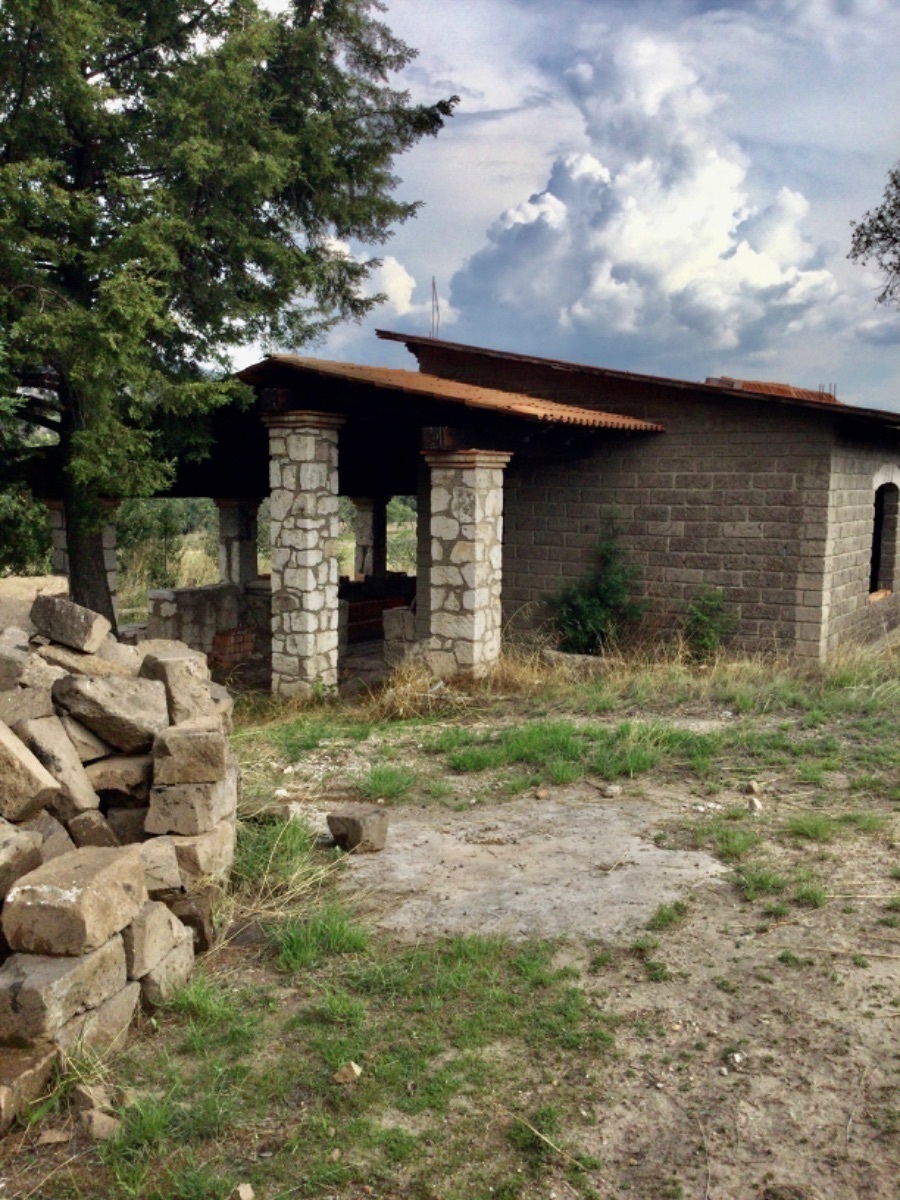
(857,470)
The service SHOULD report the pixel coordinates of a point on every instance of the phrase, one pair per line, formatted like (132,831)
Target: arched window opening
(884,538)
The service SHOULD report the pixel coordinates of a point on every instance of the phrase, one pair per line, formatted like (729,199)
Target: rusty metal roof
(434,387)
(785,390)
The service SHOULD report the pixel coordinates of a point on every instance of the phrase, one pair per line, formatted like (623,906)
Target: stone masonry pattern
(303,451)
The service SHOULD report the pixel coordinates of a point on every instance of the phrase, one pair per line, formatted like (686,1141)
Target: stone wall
(229,624)
(851,613)
(118,798)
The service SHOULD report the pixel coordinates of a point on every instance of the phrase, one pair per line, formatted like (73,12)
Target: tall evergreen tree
(174,178)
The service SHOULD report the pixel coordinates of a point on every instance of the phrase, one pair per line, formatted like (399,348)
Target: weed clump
(595,612)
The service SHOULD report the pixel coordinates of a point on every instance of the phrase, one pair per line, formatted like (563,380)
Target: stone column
(466,559)
(303,465)
(238,537)
(59,555)
(370,530)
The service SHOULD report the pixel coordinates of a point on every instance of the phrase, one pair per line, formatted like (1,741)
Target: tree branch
(188,27)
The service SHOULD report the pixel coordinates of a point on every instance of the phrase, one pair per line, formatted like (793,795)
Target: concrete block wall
(851,614)
(716,502)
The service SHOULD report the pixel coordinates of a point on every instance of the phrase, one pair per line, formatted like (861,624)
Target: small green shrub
(707,623)
(596,611)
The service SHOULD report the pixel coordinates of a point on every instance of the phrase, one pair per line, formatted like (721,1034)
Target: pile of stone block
(118,797)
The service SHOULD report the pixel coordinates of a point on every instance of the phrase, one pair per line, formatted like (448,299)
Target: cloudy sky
(663,186)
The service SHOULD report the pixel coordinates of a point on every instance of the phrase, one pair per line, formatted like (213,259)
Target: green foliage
(387,782)
(707,623)
(24,534)
(302,943)
(177,179)
(596,611)
(877,237)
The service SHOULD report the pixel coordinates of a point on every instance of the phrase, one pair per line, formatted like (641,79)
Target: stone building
(786,499)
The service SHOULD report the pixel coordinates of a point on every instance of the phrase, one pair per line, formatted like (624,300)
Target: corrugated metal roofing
(433,386)
(876,416)
(785,390)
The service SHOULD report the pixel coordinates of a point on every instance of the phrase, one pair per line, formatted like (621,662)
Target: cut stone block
(128,824)
(171,973)
(197,913)
(101,1028)
(25,703)
(87,745)
(360,827)
(39,994)
(54,838)
(14,652)
(208,855)
(50,744)
(24,1078)
(128,774)
(26,786)
(186,680)
(153,933)
(117,652)
(192,808)
(92,829)
(75,903)
(161,868)
(127,713)
(20,852)
(224,705)
(71,624)
(76,662)
(192,752)
(40,674)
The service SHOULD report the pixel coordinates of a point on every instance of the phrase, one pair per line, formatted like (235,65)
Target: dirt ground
(757,1057)
(17,593)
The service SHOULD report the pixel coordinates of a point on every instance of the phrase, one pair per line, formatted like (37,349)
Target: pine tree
(175,178)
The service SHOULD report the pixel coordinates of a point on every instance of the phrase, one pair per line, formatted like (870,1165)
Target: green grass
(756,880)
(386,782)
(304,942)
(667,915)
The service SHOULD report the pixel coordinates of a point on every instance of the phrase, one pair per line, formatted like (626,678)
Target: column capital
(303,419)
(467,459)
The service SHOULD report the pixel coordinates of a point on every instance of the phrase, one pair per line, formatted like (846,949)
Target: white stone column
(466,559)
(303,465)
(238,560)
(370,529)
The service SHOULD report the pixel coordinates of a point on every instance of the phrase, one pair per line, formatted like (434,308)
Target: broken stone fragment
(186,680)
(127,713)
(206,856)
(193,808)
(128,823)
(75,903)
(99,1126)
(24,703)
(87,745)
(63,621)
(197,912)
(13,656)
(172,972)
(54,838)
(26,786)
(224,705)
(161,868)
(128,657)
(39,993)
(20,852)
(24,1075)
(100,1028)
(76,662)
(194,751)
(153,933)
(40,674)
(128,774)
(48,741)
(92,829)
(360,827)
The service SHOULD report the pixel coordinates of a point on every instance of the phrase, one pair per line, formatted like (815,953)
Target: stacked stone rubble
(118,796)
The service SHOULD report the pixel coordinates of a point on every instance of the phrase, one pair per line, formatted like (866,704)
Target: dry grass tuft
(411,692)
